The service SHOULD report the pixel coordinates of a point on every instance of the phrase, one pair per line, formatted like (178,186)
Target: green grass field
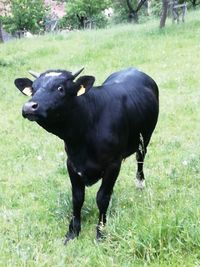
(159,226)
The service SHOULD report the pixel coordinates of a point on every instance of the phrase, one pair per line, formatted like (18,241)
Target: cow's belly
(91,177)
(90,171)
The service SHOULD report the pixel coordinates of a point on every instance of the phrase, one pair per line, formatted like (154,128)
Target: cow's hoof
(69,237)
(140,184)
(100,236)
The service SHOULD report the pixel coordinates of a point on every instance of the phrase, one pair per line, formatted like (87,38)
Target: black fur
(99,128)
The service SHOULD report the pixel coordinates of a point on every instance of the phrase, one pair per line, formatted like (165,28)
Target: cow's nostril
(30,107)
(35,106)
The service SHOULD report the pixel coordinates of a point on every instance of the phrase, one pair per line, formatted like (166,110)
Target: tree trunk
(133,13)
(133,17)
(1,34)
(164,13)
(81,21)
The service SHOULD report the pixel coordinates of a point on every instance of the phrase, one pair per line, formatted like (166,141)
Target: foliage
(158,226)
(26,15)
(87,9)
(122,12)
(5,7)
(100,20)
(194,3)
(156,8)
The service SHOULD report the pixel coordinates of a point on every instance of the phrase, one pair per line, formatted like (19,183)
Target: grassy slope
(159,226)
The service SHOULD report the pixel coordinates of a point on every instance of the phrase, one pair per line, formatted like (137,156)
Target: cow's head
(52,92)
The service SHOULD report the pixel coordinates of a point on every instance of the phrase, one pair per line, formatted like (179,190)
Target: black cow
(100,127)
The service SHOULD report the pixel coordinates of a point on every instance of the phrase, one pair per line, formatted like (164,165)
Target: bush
(156,8)
(26,15)
(121,11)
(79,12)
(100,20)
(72,22)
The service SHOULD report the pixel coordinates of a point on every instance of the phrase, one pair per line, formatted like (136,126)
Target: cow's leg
(78,194)
(140,156)
(104,194)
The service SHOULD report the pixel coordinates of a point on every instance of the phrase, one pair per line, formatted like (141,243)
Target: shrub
(78,12)
(26,15)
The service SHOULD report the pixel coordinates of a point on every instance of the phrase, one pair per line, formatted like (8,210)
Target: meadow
(159,226)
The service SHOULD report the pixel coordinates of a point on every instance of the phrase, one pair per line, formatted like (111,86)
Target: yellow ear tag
(27,91)
(81,91)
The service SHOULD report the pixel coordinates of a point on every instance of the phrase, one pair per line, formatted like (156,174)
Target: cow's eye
(61,89)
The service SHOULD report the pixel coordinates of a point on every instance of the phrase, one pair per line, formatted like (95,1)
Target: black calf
(100,127)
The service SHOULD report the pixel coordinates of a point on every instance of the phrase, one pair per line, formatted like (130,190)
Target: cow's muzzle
(29,110)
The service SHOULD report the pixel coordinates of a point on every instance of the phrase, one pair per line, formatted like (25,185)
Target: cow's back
(130,79)
(137,94)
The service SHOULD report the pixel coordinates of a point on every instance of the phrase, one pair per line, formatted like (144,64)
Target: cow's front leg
(78,194)
(104,194)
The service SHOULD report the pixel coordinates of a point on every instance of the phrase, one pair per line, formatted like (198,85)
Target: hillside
(159,226)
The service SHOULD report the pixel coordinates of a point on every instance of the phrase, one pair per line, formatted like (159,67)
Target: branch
(141,3)
(129,6)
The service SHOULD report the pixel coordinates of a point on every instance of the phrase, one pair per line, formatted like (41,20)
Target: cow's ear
(24,85)
(84,84)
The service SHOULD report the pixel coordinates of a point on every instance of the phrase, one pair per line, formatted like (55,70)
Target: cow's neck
(72,126)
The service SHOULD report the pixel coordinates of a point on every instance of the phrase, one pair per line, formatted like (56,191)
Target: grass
(159,226)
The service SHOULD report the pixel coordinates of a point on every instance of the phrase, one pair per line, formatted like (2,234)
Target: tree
(79,11)
(195,3)
(128,9)
(26,15)
(5,7)
(1,33)
(4,11)
(133,13)
(164,13)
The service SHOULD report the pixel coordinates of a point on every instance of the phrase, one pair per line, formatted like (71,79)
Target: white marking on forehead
(52,74)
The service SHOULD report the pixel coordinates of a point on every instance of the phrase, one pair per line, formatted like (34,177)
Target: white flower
(39,157)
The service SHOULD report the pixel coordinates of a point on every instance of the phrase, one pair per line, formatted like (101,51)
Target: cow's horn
(77,73)
(34,74)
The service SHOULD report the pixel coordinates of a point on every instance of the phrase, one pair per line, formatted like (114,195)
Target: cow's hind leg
(104,194)
(140,156)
